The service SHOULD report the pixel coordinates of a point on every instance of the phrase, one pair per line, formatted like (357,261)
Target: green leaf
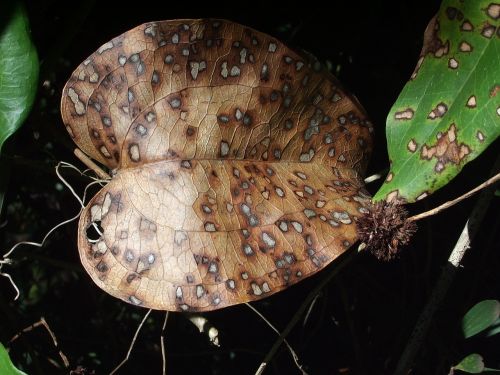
(494,329)
(449,111)
(6,366)
(473,364)
(18,76)
(18,69)
(481,316)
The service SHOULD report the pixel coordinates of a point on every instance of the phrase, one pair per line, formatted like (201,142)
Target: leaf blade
(481,316)
(449,112)
(472,364)
(18,71)
(6,365)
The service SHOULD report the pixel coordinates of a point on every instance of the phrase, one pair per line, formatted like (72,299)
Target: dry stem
(294,355)
(448,204)
(42,322)
(90,164)
(447,275)
(131,344)
(342,262)
(162,343)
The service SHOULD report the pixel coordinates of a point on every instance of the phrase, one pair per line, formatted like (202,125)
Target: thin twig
(448,204)
(445,280)
(42,322)
(4,274)
(89,163)
(162,344)
(345,259)
(81,201)
(376,176)
(372,178)
(294,355)
(309,310)
(131,344)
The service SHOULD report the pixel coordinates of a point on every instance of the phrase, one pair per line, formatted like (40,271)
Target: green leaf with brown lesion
(449,111)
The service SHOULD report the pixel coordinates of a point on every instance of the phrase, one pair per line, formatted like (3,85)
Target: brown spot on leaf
(467,26)
(393,197)
(494,90)
(432,43)
(451,12)
(452,63)
(471,102)
(438,112)
(465,47)
(412,145)
(406,114)
(493,11)
(447,150)
(488,30)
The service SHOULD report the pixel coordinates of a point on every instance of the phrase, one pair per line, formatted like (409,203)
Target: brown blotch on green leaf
(406,114)
(385,229)
(493,11)
(446,150)
(467,26)
(494,90)
(432,43)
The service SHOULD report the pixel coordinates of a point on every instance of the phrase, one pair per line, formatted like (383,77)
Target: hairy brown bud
(384,229)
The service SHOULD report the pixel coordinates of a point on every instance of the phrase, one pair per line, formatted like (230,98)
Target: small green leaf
(6,366)
(480,317)
(473,364)
(449,111)
(494,329)
(18,69)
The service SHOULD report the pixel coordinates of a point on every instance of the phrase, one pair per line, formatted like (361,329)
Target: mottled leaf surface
(237,164)
(18,69)
(449,111)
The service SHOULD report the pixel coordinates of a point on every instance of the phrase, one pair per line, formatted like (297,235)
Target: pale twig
(162,344)
(294,355)
(42,322)
(89,163)
(445,280)
(448,204)
(372,178)
(18,293)
(80,200)
(309,310)
(131,344)
(6,259)
(85,172)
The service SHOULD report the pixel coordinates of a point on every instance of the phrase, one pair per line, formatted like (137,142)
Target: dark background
(361,321)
